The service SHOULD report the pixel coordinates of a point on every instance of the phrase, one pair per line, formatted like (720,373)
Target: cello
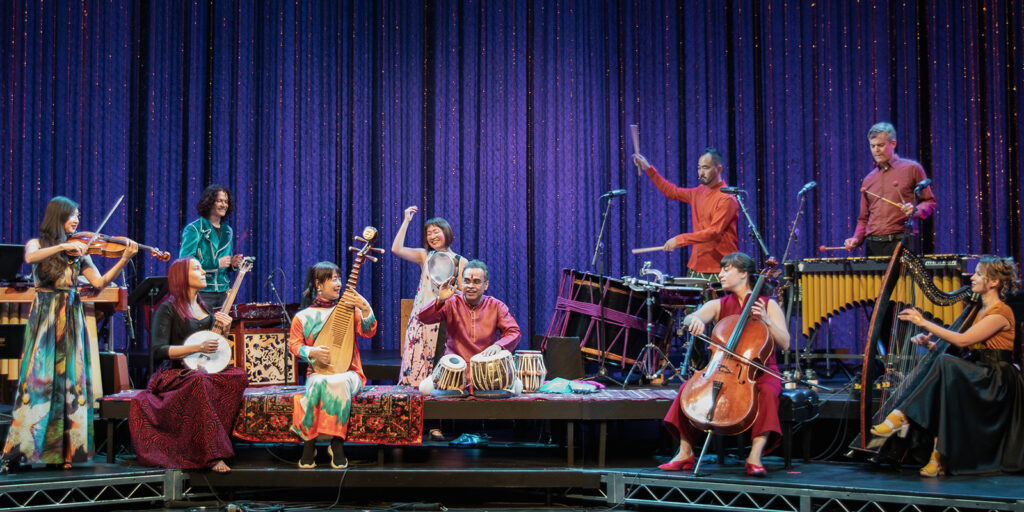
(722,398)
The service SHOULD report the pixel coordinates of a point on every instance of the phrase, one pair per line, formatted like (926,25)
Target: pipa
(336,334)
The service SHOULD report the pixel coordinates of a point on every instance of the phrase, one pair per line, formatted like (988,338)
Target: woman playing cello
(973,408)
(738,276)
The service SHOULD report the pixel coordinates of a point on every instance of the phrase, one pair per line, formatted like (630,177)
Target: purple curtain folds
(509,119)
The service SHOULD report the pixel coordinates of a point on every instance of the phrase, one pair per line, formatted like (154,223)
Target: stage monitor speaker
(114,371)
(563,358)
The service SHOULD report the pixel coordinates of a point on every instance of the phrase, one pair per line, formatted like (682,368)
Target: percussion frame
(646,360)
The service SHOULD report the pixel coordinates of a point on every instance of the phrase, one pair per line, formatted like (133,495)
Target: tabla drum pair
(531,370)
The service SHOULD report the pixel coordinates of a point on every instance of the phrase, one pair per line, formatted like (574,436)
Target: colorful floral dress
(53,409)
(325,406)
(420,339)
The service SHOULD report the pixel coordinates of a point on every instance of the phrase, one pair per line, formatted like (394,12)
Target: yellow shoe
(934,467)
(894,422)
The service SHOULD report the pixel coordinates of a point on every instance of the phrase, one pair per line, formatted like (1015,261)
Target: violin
(722,398)
(113,246)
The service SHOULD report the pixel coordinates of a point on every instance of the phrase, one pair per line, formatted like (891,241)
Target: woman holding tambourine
(424,344)
(184,417)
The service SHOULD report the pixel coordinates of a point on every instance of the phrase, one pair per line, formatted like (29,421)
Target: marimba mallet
(870,193)
(823,248)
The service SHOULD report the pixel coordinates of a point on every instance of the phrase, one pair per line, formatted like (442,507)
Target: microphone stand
(602,372)
(286,322)
(753,227)
(792,288)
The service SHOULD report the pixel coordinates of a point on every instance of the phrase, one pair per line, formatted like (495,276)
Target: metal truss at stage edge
(701,494)
(91,491)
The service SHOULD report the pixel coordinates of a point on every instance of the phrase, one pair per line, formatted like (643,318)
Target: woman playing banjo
(184,417)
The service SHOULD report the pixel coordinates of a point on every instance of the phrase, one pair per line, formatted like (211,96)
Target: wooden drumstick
(870,193)
(634,132)
(823,248)
(641,250)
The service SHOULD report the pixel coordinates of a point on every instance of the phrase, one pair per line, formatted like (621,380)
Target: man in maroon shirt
(713,214)
(881,224)
(475,323)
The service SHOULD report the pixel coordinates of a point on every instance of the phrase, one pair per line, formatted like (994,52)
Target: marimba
(828,286)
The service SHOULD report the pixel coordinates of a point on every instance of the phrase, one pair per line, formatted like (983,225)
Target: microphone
(614,193)
(733,190)
(270,278)
(807,188)
(923,184)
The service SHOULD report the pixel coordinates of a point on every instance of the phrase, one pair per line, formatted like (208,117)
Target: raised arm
(398,248)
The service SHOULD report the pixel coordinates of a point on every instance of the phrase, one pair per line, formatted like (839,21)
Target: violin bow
(105,219)
(758,365)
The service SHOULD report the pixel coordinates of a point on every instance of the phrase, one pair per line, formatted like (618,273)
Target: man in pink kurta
(474,322)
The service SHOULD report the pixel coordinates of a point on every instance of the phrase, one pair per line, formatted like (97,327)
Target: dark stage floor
(513,476)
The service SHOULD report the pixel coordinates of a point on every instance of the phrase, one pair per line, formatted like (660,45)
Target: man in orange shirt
(713,214)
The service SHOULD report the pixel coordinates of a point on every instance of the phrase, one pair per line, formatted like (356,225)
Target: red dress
(768,388)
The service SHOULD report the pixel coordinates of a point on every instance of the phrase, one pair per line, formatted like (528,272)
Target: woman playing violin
(972,409)
(738,276)
(53,411)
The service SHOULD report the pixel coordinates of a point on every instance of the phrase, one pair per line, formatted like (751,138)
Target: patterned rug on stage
(380,415)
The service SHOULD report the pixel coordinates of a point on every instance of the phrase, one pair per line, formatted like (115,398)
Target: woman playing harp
(971,408)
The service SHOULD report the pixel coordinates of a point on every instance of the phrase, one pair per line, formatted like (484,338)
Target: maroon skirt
(184,418)
(767,421)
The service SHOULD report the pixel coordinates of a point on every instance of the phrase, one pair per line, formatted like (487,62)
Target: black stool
(796,406)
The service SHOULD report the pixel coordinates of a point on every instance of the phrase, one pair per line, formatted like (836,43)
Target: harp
(907,283)
(337,333)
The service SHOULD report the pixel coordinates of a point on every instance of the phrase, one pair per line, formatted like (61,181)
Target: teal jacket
(199,241)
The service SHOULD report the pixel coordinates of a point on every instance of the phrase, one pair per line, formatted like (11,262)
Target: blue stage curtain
(508,118)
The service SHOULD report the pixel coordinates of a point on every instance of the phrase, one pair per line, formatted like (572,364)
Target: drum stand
(648,359)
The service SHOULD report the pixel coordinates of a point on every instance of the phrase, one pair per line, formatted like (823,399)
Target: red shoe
(679,465)
(755,470)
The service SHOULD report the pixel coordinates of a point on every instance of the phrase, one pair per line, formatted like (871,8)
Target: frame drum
(440,267)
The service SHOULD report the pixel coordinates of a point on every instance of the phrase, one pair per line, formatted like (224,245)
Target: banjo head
(210,363)
(440,267)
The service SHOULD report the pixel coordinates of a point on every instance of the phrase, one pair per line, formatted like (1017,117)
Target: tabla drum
(451,373)
(440,267)
(531,370)
(491,373)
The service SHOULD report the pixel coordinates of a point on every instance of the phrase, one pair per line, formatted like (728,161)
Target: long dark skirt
(184,418)
(976,411)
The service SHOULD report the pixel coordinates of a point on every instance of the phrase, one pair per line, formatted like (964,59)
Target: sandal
(895,423)
(436,435)
(934,467)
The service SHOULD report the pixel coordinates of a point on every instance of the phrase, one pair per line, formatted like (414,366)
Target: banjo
(217,361)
